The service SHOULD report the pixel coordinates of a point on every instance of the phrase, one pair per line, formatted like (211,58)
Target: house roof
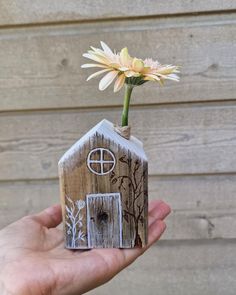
(106,128)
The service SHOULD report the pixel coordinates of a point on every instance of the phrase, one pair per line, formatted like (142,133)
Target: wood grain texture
(40,69)
(202,206)
(18,199)
(125,223)
(179,268)
(42,65)
(26,12)
(104,221)
(181,139)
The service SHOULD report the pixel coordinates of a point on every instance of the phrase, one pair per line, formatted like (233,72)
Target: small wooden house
(103,186)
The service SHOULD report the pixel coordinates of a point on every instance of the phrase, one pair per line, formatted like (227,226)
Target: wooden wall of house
(188,128)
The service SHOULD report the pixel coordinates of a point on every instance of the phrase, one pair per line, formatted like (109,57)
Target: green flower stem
(125,113)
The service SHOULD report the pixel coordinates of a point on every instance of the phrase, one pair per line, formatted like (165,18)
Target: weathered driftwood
(104,220)
(103,184)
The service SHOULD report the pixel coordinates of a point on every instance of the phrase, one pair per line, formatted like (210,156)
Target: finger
(155,230)
(152,204)
(50,217)
(159,209)
(156,226)
(105,263)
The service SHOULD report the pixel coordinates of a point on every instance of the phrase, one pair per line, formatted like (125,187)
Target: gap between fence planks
(182,139)
(179,268)
(27,12)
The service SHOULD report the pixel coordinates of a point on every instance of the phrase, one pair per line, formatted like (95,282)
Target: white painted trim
(88,220)
(101,161)
(106,128)
(120,221)
(92,196)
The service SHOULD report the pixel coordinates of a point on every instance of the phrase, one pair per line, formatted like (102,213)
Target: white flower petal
(154,77)
(125,58)
(107,80)
(173,77)
(169,77)
(119,82)
(114,65)
(137,65)
(84,66)
(97,51)
(123,69)
(166,70)
(93,48)
(106,48)
(153,64)
(146,78)
(97,73)
(131,74)
(95,58)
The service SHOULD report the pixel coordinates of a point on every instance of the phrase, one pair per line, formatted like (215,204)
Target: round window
(101,161)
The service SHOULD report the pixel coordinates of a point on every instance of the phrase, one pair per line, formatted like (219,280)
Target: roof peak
(106,128)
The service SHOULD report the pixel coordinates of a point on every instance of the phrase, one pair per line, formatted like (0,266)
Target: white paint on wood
(107,130)
(101,161)
(129,178)
(74,222)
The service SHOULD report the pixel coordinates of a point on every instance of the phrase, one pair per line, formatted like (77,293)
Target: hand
(33,259)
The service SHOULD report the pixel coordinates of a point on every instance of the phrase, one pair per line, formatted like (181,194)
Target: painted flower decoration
(126,70)
(80,204)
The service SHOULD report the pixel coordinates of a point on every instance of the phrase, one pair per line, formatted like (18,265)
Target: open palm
(33,259)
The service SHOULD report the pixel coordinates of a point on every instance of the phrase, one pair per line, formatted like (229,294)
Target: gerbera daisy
(126,70)
(111,64)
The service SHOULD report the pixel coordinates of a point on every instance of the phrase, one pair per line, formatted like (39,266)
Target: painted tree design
(136,204)
(74,221)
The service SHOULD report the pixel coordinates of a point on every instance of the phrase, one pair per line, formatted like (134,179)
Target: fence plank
(23,198)
(41,66)
(179,268)
(41,11)
(198,203)
(185,139)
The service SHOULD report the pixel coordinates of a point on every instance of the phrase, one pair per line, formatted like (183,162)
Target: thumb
(50,217)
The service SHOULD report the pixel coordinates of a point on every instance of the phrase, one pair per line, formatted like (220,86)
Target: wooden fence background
(188,128)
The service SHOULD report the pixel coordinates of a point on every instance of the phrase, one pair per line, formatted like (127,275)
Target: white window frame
(101,161)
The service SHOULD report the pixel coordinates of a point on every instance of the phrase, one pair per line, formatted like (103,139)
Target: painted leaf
(123,159)
(114,180)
